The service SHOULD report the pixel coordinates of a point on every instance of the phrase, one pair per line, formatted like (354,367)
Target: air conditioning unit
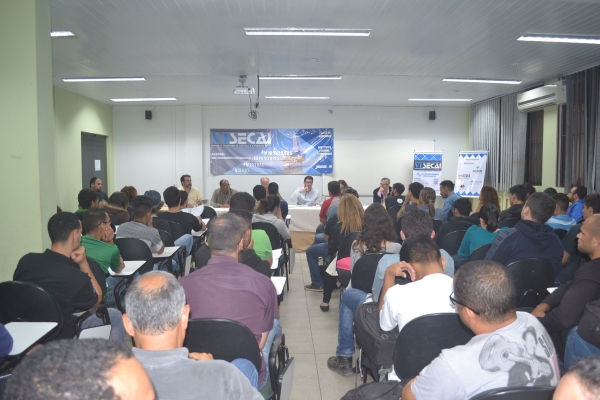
(542,97)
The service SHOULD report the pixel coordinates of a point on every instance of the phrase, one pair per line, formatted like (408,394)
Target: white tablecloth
(304,219)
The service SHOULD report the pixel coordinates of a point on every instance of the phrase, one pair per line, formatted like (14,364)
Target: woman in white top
(268,211)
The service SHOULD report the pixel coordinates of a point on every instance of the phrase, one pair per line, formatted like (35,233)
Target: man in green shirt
(99,246)
(262,244)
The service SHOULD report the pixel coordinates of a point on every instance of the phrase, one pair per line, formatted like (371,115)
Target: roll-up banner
(470,173)
(271,151)
(427,169)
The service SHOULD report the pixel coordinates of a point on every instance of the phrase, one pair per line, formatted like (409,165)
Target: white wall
(145,150)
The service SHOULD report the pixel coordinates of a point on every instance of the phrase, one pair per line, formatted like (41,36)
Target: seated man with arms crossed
(157,319)
(530,238)
(563,308)
(64,272)
(80,369)
(510,348)
(225,288)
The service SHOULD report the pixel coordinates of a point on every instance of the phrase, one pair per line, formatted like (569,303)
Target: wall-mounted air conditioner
(542,97)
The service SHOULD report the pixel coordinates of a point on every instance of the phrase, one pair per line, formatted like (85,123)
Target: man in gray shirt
(157,318)
(141,226)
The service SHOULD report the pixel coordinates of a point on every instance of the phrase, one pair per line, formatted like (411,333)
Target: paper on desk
(195,211)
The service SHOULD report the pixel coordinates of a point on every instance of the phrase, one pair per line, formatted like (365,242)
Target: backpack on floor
(377,344)
(376,390)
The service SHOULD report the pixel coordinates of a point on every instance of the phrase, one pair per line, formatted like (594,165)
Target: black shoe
(324,308)
(313,288)
(341,365)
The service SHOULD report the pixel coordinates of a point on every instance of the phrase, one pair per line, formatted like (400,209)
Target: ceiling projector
(243,89)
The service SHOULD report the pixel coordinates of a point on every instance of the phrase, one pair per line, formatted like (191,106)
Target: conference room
(141,94)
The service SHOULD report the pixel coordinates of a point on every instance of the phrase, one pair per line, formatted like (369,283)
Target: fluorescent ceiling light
(61,34)
(481,80)
(306,32)
(560,39)
(147,99)
(440,99)
(132,79)
(300,77)
(296,97)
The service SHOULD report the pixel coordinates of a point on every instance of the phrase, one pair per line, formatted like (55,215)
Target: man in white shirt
(306,196)
(509,349)
(194,196)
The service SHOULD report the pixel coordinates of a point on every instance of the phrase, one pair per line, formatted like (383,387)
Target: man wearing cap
(194,196)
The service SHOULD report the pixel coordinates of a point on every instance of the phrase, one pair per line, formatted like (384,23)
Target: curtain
(499,127)
(583,128)
(485,135)
(534,150)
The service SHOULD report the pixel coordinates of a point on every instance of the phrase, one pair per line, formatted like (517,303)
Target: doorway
(93,159)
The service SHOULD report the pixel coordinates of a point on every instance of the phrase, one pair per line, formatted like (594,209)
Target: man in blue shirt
(447,192)
(560,220)
(576,196)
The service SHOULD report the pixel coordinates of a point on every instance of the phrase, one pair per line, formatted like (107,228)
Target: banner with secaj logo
(271,151)
(470,173)
(427,169)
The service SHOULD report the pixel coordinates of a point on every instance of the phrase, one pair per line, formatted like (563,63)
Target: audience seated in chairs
(80,369)
(485,298)
(396,199)
(99,246)
(518,196)
(117,206)
(259,192)
(225,288)
(576,196)
(157,205)
(447,193)
(411,202)
(488,195)
(157,318)
(262,244)
(349,222)
(461,221)
(248,256)
(560,219)
(562,309)
(273,189)
(483,233)
(64,272)
(427,203)
(268,211)
(416,223)
(188,221)
(376,236)
(530,238)
(333,188)
(87,198)
(428,294)
(581,382)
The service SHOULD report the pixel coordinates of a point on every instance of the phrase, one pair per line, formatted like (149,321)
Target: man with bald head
(157,318)
(264,181)
(563,308)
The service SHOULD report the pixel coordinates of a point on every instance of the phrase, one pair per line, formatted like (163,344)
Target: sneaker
(313,288)
(341,365)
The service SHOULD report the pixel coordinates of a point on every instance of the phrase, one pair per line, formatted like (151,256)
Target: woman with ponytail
(427,203)
(268,211)
(479,235)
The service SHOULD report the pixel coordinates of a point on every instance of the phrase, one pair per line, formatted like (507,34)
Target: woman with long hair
(479,235)
(350,219)
(117,206)
(488,195)
(131,193)
(427,203)
(268,211)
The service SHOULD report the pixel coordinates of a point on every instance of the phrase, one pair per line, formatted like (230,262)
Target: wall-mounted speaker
(432,115)
(149,114)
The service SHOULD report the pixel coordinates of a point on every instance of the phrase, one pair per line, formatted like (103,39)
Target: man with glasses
(222,196)
(510,348)
(99,246)
(383,191)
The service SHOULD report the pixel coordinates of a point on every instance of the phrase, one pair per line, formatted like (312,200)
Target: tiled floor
(311,336)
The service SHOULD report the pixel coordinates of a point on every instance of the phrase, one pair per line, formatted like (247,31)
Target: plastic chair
(517,393)
(451,242)
(561,233)
(508,222)
(225,339)
(363,273)
(271,232)
(532,276)
(480,252)
(177,230)
(437,224)
(208,212)
(281,370)
(422,339)
(132,250)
